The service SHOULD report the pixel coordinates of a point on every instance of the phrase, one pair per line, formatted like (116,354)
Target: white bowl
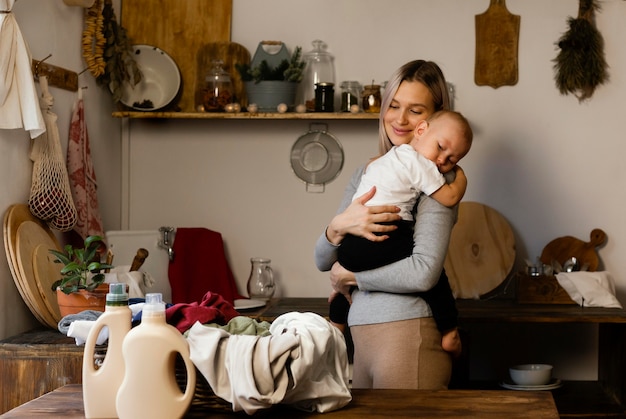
(531,374)
(160,82)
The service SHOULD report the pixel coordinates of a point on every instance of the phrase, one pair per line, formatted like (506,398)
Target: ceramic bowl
(160,81)
(531,374)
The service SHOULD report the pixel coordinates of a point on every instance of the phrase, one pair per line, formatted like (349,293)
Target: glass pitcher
(261,280)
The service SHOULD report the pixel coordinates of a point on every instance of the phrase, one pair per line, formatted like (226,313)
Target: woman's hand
(363,221)
(341,280)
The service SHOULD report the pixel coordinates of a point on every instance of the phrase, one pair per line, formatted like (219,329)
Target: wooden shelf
(247,115)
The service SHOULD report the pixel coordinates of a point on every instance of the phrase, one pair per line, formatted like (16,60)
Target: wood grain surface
(497,39)
(67,402)
(180,28)
(481,253)
(563,248)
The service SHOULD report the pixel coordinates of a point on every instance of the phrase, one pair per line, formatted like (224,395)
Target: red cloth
(82,175)
(212,309)
(200,266)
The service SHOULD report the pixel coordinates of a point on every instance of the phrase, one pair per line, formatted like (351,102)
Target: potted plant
(269,85)
(81,286)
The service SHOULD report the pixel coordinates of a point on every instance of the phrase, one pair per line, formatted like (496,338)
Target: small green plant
(287,70)
(82,269)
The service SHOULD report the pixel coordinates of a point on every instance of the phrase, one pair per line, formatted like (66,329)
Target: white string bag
(50,194)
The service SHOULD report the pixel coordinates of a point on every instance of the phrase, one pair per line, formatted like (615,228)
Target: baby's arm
(451,194)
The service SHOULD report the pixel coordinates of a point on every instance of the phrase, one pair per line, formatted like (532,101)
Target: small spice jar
(324,97)
(371,98)
(350,94)
(218,89)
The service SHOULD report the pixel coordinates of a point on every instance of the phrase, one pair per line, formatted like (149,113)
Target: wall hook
(39,63)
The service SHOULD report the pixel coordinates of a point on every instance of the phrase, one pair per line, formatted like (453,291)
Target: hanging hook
(39,63)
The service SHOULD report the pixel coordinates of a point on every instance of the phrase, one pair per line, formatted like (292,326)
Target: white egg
(355,108)
(253,108)
(301,108)
(281,108)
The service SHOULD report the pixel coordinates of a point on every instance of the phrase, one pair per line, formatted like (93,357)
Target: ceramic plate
(245,304)
(555,383)
(160,80)
(317,157)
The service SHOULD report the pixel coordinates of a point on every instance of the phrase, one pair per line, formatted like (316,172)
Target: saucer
(554,384)
(246,304)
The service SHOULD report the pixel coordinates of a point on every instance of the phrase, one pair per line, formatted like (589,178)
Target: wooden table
(67,402)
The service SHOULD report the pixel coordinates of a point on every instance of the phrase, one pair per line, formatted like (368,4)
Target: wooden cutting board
(30,235)
(563,248)
(15,216)
(230,53)
(481,253)
(497,38)
(180,28)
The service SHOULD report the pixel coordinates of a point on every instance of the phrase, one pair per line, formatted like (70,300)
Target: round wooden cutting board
(47,272)
(29,236)
(481,253)
(15,216)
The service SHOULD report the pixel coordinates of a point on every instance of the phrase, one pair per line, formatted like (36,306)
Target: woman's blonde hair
(426,72)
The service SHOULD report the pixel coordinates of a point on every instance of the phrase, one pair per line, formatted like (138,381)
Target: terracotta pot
(82,300)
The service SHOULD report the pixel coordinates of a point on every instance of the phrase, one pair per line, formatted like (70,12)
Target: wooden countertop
(495,310)
(67,402)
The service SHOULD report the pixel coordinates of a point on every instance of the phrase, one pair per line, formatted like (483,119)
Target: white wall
(539,158)
(50,27)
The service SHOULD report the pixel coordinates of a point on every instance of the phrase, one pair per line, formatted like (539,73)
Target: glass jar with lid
(350,94)
(319,68)
(218,89)
(371,98)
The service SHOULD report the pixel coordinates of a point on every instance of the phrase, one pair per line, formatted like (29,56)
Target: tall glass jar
(350,95)
(218,89)
(319,68)
(261,281)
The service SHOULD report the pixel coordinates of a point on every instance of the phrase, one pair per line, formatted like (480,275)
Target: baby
(405,171)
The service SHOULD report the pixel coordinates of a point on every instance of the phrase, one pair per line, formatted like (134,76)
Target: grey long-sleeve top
(388,293)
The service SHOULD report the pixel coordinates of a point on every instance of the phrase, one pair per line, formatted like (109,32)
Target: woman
(397,344)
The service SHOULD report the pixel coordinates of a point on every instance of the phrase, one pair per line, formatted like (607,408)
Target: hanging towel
(19,106)
(199,266)
(82,175)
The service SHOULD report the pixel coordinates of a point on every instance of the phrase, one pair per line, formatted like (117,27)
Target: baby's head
(444,138)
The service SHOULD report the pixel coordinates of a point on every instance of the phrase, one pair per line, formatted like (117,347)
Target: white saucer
(246,304)
(555,383)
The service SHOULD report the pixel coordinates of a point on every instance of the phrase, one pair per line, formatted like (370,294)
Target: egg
(301,108)
(232,107)
(355,108)
(253,108)
(281,108)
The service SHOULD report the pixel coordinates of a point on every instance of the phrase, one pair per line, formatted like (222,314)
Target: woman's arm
(420,271)
(353,217)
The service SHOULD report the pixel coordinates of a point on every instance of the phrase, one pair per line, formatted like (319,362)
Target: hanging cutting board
(586,254)
(231,53)
(481,253)
(180,28)
(497,38)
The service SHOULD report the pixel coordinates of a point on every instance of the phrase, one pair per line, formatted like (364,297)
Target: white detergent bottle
(100,385)
(149,388)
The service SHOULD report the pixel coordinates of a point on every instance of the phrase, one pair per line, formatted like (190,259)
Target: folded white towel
(79,330)
(590,289)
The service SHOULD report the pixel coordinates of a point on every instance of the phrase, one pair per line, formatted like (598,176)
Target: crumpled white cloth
(590,289)
(19,105)
(138,281)
(303,363)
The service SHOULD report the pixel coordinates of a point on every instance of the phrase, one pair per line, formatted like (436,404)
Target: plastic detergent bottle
(149,388)
(100,385)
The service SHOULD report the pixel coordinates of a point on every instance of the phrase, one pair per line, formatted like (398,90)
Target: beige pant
(406,354)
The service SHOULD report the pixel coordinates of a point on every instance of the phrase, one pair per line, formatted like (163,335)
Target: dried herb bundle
(118,55)
(286,70)
(580,65)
